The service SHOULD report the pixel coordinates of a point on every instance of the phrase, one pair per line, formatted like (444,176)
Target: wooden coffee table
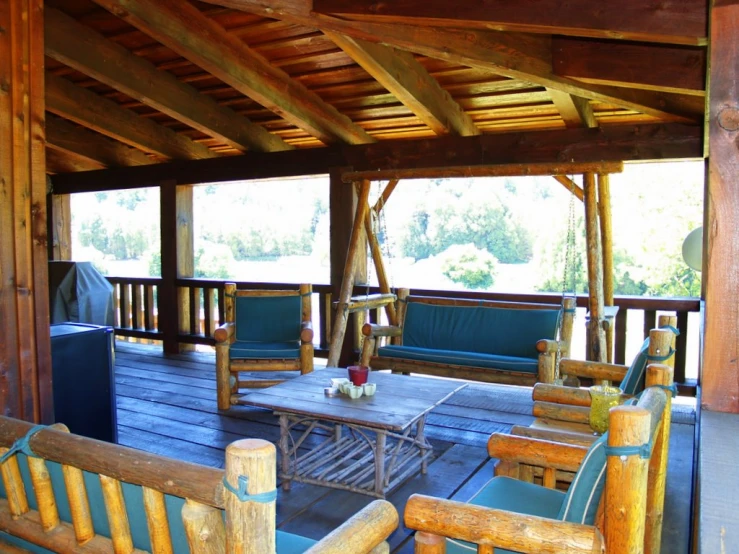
(368,445)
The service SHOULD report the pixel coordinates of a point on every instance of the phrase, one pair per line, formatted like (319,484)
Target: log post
(306,349)
(428,543)
(156,521)
(356,242)
(626,507)
(79,505)
(115,506)
(595,271)
(402,307)
(185,245)
(167,299)
(204,528)
(25,349)
(250,523)
(61,227)
(224,383)
(15,492)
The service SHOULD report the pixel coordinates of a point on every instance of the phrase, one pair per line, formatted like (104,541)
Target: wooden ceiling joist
(403,76)
(526,57)
(502,170)
(680,22)
(62,161)
(609,143)
(679,69)
(64,136)
(183,28)
(86,108)
(89,52)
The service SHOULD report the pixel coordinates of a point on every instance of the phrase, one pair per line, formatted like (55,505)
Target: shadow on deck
(166,405)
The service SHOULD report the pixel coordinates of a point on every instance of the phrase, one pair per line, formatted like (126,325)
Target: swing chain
(569,267)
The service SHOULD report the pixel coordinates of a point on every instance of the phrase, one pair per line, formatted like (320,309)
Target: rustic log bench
(498,342)
(65,493)
(614,505)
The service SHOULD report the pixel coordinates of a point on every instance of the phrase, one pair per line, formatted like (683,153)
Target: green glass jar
(602,399)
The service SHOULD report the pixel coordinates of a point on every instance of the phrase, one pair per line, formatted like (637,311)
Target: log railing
(201,301)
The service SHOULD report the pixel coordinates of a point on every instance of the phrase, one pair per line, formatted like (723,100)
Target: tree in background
(469,266)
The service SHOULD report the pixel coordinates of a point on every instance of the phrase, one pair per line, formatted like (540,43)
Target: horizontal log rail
(202,299)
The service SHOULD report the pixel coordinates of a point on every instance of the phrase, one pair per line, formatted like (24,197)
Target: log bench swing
(515,343)
(66,493)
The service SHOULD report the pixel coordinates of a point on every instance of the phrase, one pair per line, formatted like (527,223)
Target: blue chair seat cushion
(504,493)
(460,358)
(251,350)
(635,378)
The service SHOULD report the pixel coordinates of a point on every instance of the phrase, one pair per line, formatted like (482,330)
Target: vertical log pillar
(25,347)
(606,241)
(719,383)
(185,262)
(167,295)
(61,227)
(596,335)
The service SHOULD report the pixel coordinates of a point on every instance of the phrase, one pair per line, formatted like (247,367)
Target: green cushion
(581,503)
(501,331)
(244,350)
(268,318)
(635,378)
(468,359)
(504,493)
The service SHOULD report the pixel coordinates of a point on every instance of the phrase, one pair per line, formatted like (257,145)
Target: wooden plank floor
(166,405)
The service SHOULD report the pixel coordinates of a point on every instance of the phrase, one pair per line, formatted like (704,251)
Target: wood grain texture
(720,371)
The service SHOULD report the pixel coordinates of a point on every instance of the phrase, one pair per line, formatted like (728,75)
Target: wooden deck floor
(166,405)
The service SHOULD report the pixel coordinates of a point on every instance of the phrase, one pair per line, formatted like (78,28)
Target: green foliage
(213,261)
(470,266)
(154,262)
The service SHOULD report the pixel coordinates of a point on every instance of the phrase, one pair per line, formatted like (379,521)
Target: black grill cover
(79,293)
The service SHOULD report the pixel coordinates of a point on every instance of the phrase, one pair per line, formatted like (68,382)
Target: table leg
(421,439)
(380,463)
(285,451)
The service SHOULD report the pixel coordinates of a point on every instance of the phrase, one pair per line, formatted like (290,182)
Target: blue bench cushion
(504,493)
(499,331)
(635,377)
(250,350)
(455,357)
(581,503)
(286,543)
(268,318)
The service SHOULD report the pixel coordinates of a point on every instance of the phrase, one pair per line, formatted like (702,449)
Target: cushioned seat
(242,349)
(457,357)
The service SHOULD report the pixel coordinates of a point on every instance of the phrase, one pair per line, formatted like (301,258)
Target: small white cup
(354,391)
(369,389)
(336,382)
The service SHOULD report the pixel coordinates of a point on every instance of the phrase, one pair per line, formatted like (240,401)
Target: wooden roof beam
(575,111)
(664,67)
(182,27)
(65,136)
(518,56)
(406,79)
(83,106)
(89,52)
(683,22)
(61,161)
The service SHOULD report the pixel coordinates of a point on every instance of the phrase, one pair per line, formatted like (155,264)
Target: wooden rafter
(105,116)
(87,51)
(66,137)
(575,111)
(683,22)
(571,186)
(664,67)
(609,143)
(183,28)
(402,75)
(61,161)
(516,55)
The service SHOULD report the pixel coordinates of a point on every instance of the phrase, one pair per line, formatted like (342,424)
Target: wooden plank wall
(720,372)
(25,358)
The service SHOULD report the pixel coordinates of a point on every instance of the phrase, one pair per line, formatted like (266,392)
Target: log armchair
(614,504)
(263,330)
(65,493)
(499,342)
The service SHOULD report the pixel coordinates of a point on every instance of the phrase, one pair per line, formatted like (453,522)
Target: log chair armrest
(536,452)
(225,332)
(499,528)
(306,332)
(549,346)
(367,529)
(567,396)
(552,435)
(594,370)
(374,330)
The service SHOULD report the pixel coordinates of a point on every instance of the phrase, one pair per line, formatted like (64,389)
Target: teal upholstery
(287,543)
(581,503)
(268,318)
(468,359)
(635,378)
(500,331)
(247,350)
(504,493)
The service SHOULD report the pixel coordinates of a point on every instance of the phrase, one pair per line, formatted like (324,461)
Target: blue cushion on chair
(248,350)
(581,503)
(504,493)
(502,331)
(268,318)
(635,378)
(455,357)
